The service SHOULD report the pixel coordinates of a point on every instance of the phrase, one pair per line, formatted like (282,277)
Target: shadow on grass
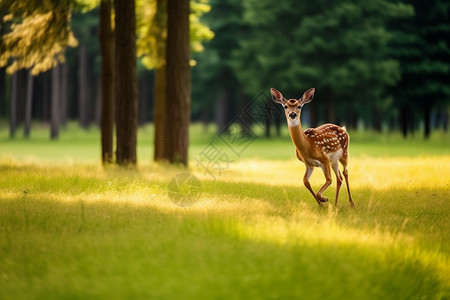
(102,249)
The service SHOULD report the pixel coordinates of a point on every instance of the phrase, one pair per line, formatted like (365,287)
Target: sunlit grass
(70,228)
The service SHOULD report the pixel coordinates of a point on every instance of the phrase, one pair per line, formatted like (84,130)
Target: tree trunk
(178,88)
(245,118)
(46,95)
(223,109)
(445,121)
(83,89)
(377,123)
(404,121)
(13,104)
(267,120)
(55,110)
(107,82)
(159,109)
(126,87)
(64,93)
(28,104)
(427,121)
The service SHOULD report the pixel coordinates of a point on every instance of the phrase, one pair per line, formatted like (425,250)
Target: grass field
(70,229)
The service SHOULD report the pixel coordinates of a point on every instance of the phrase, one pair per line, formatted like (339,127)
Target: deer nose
(292,115)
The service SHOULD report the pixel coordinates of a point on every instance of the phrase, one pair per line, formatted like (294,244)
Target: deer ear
(277,96)
(307,96)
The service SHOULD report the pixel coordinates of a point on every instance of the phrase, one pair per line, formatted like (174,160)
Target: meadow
(72,229)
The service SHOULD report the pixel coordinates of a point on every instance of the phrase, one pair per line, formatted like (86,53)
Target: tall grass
(70,229)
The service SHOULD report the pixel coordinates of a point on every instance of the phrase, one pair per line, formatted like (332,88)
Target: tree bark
(107,82)
(55,110)
(28,104)
(46,95)
(178,89)
(13,105)
(159,114)
(64,91)
(126,87)
(83,92)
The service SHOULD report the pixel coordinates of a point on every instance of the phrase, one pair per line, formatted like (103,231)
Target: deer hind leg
(344,164)
(308,173)
(339,179)
(327,172)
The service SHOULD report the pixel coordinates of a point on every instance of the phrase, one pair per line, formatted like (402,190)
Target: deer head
(292,107)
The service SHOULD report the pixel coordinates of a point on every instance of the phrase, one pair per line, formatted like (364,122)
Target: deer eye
(285,107)
(299,107)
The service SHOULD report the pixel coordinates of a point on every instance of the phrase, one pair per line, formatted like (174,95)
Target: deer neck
(299,138)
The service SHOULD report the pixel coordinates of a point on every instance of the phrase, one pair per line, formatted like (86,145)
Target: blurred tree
(28,104)
(85,25)
(40,32)
(13,105)
(338,47)
(54,106)
(178,92)
(424,54)
(126,85)
(107,81)
(151,44)
(218,86)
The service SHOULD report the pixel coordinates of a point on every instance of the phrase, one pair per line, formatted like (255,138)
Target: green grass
(70,229)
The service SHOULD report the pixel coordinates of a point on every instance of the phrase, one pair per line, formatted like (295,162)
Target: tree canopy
(40,33)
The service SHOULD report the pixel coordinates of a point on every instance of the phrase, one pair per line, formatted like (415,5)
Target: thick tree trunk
(55,110)
(83,89)
(126,85)
(178,89)
(13,104)
(28,104)
(107,82)
(159,109)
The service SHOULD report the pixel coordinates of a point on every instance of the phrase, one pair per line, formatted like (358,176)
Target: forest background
(378,64)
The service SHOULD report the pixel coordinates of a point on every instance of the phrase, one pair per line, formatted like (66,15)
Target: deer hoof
(323,199)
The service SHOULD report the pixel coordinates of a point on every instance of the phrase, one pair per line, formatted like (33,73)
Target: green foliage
(339,47)
(40,33)
(152,32)
(423,50)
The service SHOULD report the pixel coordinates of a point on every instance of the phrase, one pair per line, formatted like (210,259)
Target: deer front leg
(308,173)
(335,167)
(327,172)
